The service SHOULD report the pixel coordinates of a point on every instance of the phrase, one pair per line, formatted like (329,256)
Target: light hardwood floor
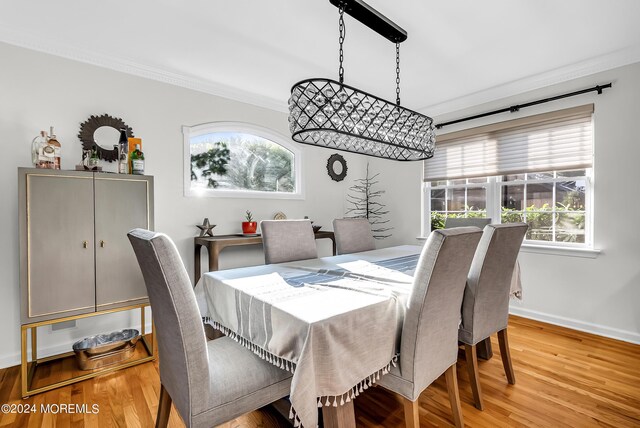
(563,378)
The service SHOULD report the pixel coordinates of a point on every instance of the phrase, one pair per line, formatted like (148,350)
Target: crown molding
(52,47)
(581,69)
(563,74)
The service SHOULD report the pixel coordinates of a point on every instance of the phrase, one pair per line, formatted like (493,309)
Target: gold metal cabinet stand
(28,368)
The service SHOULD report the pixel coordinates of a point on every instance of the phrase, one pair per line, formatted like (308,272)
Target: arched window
(236,159)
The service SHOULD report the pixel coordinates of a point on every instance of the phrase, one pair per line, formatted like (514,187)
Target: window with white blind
(536,170)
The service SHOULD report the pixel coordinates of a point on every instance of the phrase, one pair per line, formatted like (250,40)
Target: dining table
(334,322)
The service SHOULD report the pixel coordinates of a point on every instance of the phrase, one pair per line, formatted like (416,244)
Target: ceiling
(458,53)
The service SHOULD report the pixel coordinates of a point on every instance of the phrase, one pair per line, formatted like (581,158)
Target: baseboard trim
(13,359)
(587,327)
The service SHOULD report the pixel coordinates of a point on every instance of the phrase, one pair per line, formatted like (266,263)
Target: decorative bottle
(137,161)
(93,158)
(55,145)
(123,152)
(37,146)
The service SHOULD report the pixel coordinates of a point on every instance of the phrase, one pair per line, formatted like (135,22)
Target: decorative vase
(249,226)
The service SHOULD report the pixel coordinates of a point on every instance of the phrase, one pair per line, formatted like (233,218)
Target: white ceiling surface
(458,53)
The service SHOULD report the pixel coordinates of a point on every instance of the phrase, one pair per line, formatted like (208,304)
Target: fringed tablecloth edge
(351,394)
(259,351)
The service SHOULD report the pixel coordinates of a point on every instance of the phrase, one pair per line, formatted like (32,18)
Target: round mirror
(337,167)
(106,136)
(101,133)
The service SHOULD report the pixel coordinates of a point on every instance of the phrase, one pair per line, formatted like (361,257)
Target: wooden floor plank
(565,378)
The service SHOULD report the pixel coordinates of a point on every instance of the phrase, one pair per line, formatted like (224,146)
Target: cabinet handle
(84,244)
(102,244)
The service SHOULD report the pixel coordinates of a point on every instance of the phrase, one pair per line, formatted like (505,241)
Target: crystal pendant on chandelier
(323,112)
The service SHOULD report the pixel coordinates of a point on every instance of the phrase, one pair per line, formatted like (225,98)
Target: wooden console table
(215,244)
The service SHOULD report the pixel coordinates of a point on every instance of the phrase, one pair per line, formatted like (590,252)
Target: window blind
(551,141)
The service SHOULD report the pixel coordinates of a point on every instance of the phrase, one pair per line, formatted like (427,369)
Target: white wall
(600,295)
(401,182)
(38,90)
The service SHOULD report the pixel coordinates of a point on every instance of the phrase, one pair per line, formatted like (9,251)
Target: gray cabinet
(120,205)
(58,259)
(75,257)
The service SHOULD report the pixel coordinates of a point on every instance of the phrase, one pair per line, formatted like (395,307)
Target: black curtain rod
(517,107)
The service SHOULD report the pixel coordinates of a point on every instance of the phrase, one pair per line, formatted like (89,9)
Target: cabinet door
(59,259)
(121,204)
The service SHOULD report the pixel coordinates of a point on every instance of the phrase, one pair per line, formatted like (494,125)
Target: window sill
(588,253)
(245,194)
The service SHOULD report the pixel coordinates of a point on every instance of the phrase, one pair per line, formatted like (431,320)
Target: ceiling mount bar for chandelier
(327,113)
(372,19)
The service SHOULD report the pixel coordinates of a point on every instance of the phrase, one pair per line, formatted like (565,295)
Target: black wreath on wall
(331,167)
(91,125)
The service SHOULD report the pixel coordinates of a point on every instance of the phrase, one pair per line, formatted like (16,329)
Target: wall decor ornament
(331,169)
(88,129)
(280,216)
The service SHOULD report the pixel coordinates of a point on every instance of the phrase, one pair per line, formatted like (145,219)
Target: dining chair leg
(164,408)
(411,413)
(484,349)
(454,397)
(506,356)
(470,353)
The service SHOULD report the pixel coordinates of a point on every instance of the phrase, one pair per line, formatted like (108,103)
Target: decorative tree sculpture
(364,204)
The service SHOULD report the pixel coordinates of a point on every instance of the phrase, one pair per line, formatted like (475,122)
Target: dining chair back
(353,235)
(209,382)
(429,342)
(182,346)
(288,241)
(485,306)
(480,222)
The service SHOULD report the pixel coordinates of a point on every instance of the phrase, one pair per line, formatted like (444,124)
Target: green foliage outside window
(438,218)
(569,219)
(237,161)
(569,222)
(556,211)
(212,162)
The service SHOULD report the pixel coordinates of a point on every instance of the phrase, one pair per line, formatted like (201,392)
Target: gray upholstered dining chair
(209,382)
(471,221)
(485,307)
(288,241)
(353,235)
(429,341)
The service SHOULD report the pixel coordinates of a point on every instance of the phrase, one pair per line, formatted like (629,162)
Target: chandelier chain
(398,73)
(341,41)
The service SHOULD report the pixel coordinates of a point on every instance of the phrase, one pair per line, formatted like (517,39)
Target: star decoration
(206,228)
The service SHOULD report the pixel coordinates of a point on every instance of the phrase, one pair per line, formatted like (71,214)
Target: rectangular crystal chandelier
(327,113)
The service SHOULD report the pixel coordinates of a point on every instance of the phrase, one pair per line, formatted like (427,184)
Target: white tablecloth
(335,322)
